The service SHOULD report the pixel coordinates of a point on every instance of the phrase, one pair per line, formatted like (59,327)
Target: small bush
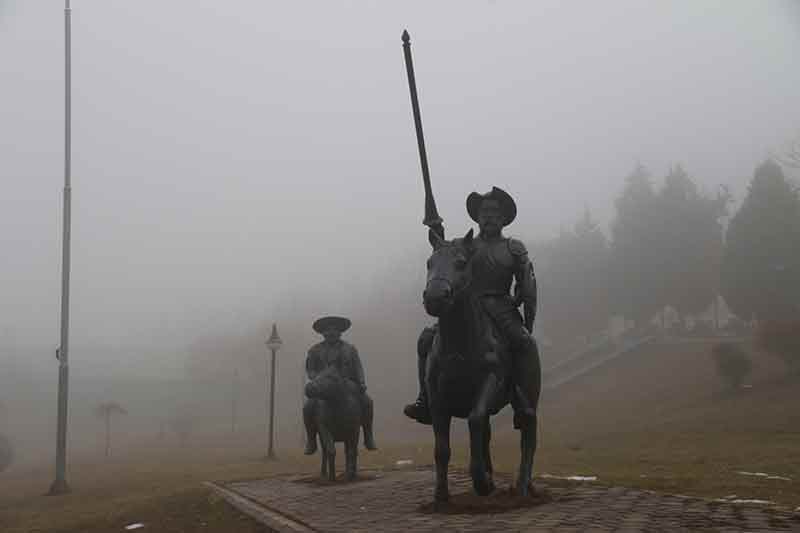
(781,338)
(733,364)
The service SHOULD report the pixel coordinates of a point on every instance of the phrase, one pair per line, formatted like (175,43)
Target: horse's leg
(529,373)
(487,455)
(527,441)
(441,454)
(478,428)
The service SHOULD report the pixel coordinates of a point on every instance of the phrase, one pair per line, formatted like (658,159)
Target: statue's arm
(525,287)
(312,364)
(358,368)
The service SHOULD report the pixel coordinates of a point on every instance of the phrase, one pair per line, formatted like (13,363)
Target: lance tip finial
(406,36)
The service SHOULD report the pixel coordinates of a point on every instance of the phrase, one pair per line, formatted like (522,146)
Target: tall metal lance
(432,218)
(60,485)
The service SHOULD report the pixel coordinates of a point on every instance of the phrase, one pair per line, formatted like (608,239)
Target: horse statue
(338,419)
(469,369)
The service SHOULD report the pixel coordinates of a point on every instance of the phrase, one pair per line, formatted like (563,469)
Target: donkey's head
(327,385)
(448,272)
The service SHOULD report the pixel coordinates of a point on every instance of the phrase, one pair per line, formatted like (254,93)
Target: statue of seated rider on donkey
(337,406)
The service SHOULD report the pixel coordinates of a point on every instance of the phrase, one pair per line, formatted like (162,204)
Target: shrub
(733,364)
(781,338)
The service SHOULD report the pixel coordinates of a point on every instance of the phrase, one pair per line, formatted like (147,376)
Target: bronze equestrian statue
(336,380)
(480,356)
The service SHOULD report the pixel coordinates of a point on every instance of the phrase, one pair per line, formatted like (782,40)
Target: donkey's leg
(329,450)
(478,428)
(332,461)
(351,455)
(441,454)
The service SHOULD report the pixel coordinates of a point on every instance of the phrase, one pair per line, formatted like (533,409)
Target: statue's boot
(419,410)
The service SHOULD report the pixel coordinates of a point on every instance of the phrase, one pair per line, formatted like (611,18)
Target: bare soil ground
(659,419)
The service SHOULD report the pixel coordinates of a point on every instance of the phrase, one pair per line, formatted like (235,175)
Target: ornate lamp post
(274,343)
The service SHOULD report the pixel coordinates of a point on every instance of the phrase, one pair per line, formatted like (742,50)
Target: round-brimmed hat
(507,204)
(325,323)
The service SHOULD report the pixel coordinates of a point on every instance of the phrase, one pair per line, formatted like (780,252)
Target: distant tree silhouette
(636,279)
(688,242)
(106,411)
(574,282)
(761,263)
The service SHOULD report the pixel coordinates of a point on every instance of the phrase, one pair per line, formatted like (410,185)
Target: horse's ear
(434,238)
(468,238)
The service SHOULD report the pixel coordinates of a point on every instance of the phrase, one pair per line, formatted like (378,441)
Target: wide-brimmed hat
(326,323)
(507,205)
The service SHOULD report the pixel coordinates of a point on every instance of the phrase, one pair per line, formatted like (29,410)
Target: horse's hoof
(482,486)
(525,489)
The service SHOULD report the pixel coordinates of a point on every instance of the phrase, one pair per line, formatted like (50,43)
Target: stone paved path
(395,501)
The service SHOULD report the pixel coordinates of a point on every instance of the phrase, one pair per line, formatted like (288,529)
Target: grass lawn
(658,421)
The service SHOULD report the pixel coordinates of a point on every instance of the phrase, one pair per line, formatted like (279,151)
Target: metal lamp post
(60,485)
(274,343)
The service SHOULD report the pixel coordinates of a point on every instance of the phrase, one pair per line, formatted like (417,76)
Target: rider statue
(344,356)
(498,261)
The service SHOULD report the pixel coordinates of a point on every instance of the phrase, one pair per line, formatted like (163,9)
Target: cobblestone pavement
(396,501)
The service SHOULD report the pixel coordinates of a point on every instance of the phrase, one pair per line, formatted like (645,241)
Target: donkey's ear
(468,238)
(434,238)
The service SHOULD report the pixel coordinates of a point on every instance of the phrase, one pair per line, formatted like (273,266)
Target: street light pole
(273,343)
(60,486)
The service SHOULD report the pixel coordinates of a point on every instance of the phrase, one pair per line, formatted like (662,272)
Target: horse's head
(327,385)
(448,272)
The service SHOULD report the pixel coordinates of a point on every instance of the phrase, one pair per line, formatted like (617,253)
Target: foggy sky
(228,154)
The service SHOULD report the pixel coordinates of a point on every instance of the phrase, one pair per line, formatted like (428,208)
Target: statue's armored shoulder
(517,248)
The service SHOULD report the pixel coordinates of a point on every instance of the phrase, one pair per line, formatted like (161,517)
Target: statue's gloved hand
(362,387)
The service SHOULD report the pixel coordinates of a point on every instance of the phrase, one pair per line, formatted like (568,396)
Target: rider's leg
(419,410)
(367,413)
(309,411)
(526,368)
